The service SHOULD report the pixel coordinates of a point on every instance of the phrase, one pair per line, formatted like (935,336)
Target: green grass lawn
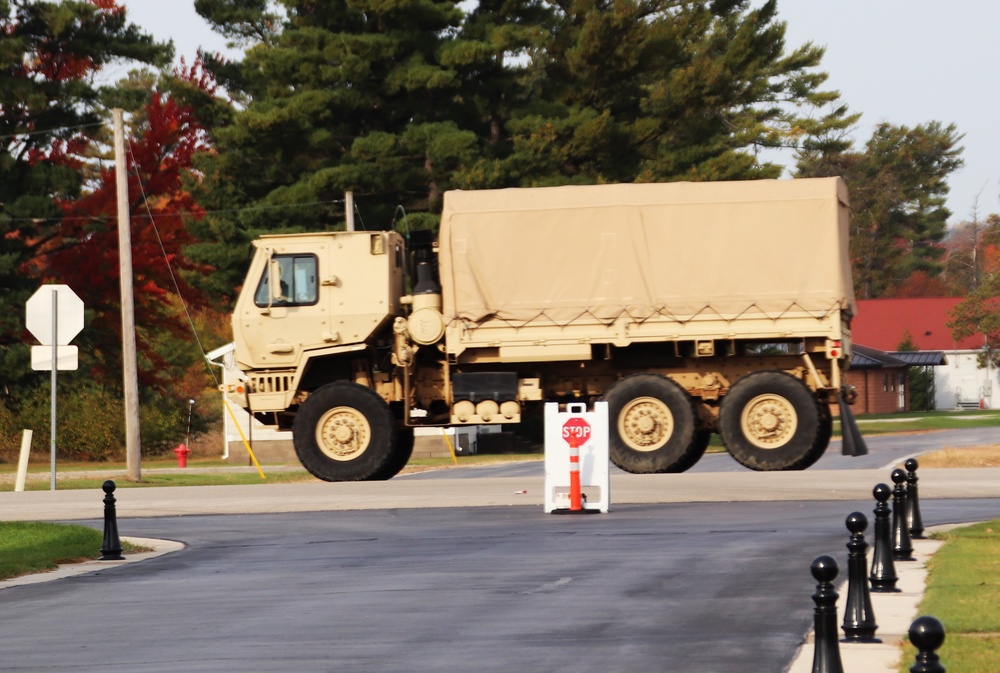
(31,547)
(878,424)
(72,475)
(963,591)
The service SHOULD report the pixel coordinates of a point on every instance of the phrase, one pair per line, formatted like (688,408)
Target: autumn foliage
(84,252)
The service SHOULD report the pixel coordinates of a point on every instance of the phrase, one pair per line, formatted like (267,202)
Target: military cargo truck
(691,308)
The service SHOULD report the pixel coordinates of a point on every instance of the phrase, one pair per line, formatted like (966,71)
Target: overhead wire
(182,213)
(52,130)
(170,270)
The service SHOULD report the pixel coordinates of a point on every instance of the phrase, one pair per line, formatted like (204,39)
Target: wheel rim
(645,424)
(343,433)
(769,421)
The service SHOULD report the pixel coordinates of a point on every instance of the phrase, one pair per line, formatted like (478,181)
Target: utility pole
(129,366)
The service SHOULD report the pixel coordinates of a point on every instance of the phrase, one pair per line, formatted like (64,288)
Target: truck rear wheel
(653,425)
(771,421)
(344,432)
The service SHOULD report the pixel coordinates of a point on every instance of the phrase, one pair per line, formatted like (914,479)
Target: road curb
(894,612)
(159,548)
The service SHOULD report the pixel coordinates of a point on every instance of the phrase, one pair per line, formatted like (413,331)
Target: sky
(905,62)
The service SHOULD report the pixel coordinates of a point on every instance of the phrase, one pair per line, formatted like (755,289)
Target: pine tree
(898,187)
(347,96)
(660,90)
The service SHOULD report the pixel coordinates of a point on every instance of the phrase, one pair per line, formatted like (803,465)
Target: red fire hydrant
(182,455)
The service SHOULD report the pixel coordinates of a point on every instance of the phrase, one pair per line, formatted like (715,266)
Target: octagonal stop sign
(68,314)
(576,432)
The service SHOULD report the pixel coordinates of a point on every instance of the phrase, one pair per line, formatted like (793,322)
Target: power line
(173,278)
(182,213)
(49,131)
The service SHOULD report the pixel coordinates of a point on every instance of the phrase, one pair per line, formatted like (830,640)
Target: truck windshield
(298,282)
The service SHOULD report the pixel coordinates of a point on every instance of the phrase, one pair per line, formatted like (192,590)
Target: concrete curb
(159,547)
(894,613)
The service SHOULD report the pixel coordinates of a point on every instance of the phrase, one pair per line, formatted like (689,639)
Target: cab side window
(299,286)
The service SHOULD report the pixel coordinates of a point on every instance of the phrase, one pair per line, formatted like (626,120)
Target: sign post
(577,461)
(54,315)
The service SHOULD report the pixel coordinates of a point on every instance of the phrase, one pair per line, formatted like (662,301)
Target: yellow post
(244,438)
(447,440)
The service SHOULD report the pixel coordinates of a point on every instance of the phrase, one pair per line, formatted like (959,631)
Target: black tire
(772,421)
(823,441)
(653,425)
(344,432)
(400,456)
(695,451)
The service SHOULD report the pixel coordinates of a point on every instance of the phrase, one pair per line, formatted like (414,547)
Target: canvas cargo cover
(676,250)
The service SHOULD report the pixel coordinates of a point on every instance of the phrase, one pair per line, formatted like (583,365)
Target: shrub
(91,424)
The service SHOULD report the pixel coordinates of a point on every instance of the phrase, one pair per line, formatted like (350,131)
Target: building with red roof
(884,324)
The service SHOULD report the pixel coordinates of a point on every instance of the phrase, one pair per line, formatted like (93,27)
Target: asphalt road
(699,572)
(711,587)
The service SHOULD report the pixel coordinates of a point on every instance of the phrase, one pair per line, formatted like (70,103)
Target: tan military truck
(691,308)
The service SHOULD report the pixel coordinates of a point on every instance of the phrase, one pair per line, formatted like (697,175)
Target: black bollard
(883,575)
(111,547)
(859,618)
(927,635)
(913,519)
(826,653)
(902,545)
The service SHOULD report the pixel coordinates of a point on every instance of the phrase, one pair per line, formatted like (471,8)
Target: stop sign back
(68,314)
(576,432)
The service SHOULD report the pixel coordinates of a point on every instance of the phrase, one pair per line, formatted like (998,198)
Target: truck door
(287,304)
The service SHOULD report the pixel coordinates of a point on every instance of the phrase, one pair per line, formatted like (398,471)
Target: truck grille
(270,382)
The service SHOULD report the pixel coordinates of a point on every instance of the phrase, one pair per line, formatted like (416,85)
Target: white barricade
(567,432)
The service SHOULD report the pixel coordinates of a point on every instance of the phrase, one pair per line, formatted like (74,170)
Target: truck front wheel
(401,455)
(344,432)
(653,425)
(771,421)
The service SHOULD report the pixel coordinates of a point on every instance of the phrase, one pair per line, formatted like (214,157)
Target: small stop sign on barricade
(576,431)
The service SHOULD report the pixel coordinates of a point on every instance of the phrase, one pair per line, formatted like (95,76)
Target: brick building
(880,379)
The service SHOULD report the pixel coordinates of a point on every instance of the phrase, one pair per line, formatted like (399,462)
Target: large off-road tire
(823,441)
(772,421)
(401,454)
(653,425)
(344,432)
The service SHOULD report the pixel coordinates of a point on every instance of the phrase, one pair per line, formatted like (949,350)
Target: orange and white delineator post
(575,490)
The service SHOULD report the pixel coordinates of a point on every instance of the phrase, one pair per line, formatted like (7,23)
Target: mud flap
(853,443)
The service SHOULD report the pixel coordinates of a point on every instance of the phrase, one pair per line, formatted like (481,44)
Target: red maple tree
(84,252)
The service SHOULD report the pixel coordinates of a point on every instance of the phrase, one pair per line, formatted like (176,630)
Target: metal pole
(349,210)
(187,438)
(129,366)
(52,414)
